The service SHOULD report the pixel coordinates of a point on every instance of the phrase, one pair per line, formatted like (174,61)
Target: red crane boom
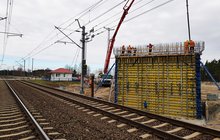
(111,44)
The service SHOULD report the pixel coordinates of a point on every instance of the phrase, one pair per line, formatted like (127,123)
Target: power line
(109,18)
(160,5)
(102,14)
(7,23)
(75,57)
(41,50)
(87,11)
(81,14)
(142,6)
(107,11)
(120,13)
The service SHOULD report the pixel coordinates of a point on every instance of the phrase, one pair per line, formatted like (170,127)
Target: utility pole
(2,18)
(24,67)
(32,67)
(83,62)
(109,30)
(84,67)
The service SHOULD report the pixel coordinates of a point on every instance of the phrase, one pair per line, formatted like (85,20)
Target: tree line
(214,68)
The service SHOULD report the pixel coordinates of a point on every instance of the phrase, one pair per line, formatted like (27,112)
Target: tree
(214,69)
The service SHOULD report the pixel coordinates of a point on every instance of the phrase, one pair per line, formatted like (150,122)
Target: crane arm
(111,44)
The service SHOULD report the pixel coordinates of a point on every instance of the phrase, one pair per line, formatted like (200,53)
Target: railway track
(151,124)
(18,121)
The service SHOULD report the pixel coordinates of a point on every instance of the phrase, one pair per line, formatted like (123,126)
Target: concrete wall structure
(162,84)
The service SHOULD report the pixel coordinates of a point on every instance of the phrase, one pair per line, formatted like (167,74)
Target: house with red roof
(61,74)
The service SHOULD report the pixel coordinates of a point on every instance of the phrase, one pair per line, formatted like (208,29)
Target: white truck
(107,80)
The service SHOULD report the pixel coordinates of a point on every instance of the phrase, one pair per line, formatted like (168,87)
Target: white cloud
(36,19)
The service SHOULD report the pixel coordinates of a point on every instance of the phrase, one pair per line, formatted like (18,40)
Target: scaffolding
(177,48)
(166,81)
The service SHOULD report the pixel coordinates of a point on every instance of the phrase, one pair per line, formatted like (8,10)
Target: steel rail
(190,126)
(149,129)
(39,129)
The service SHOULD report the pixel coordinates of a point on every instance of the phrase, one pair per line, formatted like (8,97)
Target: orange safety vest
(188,43)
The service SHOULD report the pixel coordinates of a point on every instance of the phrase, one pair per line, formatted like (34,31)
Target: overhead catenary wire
(136,16)
(44,41)
(5,30)
(41,50)
(104,13)
(79,15)
(96,33)
(158,6)
(7,26)
(107,11)
(83,13)
(48,46)
(115,20)
(118,13)
(75,57)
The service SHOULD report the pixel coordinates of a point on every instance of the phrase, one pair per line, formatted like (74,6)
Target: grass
(56,83)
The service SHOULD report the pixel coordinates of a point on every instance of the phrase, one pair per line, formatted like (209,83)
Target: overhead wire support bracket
(12,34)
(68,37)
(78,23)
(65,42)
(3,18)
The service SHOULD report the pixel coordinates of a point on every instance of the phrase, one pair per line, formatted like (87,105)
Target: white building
(61,74)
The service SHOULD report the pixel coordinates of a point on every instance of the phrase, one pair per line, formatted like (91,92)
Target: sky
(35,19)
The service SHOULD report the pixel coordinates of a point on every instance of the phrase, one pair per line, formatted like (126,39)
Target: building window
(64,75)
(57,75)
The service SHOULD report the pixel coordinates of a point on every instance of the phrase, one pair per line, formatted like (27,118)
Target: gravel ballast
(73,123)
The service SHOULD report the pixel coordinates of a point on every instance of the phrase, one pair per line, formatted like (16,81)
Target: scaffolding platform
(160,50)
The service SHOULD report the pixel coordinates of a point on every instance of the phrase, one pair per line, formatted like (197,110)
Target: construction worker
(186,47)
(134,51)
(90,82)
(192,45)
(150,46)
(145,104)
(189,46)
(123,50)
(129,50)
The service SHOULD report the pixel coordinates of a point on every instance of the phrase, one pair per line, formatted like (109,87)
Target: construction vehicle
(104,80)
(111,43)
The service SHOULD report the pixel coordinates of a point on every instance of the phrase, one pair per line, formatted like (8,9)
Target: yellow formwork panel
(165,83)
